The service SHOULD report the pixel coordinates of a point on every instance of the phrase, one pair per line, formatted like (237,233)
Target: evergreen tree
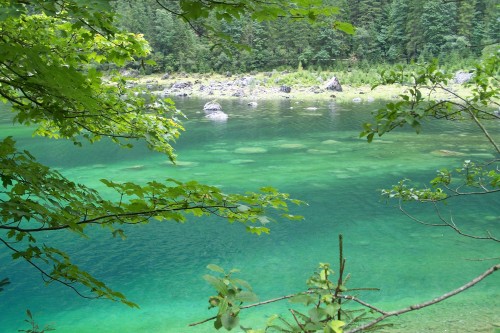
(397,38)
(438,23)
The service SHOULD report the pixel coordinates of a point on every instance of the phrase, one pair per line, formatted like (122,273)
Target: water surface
(316,156)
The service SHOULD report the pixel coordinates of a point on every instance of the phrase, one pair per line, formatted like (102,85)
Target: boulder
(165,76)
(129,72)
(246,81)
(153,87)
(285,89)
(181,85)
(239,93)
(462,77)
(252,104)
(212,106)
(334,84)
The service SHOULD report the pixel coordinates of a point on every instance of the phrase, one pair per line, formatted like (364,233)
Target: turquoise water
(316,156)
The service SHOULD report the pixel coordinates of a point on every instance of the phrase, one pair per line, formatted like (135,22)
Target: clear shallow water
(315,155)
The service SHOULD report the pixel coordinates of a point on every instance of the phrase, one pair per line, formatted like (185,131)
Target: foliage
(322,302)
(231,294)
(322,305)
(418,105)
(3,283)
(419,102)
(394,31)
(34,326)
(50,52)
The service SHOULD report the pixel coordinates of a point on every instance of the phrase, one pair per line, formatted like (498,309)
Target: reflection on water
(315,155)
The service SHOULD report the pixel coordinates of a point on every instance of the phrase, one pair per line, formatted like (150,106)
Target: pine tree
(438,23)
(397,38)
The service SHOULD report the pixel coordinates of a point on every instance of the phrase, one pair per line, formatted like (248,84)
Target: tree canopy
(49,54)
(393,31)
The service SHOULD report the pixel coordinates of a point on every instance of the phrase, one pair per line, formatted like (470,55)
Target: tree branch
(99,219)
(445,223)
(45,274)
(419,306)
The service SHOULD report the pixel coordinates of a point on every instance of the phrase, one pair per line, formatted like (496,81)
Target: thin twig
(419,306)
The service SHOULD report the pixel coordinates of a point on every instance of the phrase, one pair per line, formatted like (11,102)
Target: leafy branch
(322,299)
(36,199)
(472,178)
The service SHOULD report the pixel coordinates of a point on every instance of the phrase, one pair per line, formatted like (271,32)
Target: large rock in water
(217,116)
(334,84)
(212,106)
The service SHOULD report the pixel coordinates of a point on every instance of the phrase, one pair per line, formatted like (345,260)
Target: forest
(387,31)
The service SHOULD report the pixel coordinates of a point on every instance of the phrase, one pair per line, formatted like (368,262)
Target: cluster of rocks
(214,112)
(238,87)
(245,87)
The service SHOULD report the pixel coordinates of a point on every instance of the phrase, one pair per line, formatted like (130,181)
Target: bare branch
(445,223)
(419,306)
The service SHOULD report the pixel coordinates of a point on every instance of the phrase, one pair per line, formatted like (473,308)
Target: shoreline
(264,86)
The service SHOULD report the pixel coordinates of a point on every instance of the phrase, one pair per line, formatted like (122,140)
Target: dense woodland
(387,31)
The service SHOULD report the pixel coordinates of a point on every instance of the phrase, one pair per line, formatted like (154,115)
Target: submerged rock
(330,142)
(292,146)
(250,150)
(444,152)
(238,162)
(321,152)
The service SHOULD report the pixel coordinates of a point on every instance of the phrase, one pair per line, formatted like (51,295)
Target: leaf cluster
(49,77)
(480,108)
(34,327)
(419,103)
(35,198)
(323,302)
(231,294)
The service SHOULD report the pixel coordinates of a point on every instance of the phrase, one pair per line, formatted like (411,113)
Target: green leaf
(229,321)
(303,298)
(247,296)
(215,268)
(345,27)
(217,283)
(243,208)
(336,326)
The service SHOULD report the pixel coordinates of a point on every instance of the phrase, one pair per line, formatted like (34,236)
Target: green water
(316,156)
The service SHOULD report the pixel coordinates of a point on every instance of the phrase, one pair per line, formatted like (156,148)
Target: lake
(316,155)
